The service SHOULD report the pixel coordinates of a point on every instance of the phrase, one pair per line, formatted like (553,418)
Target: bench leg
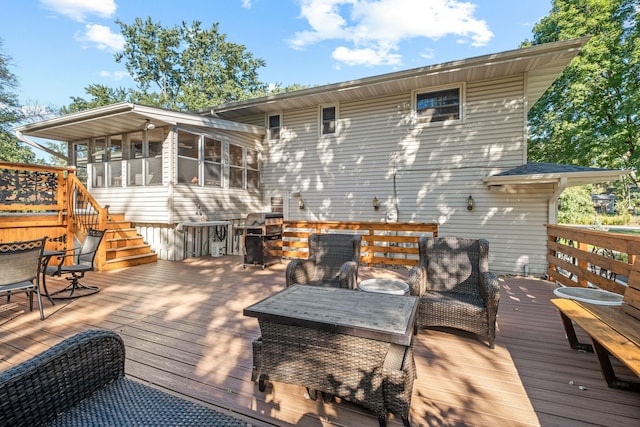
(607,370)
(571,335)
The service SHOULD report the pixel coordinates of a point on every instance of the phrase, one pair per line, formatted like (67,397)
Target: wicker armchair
(455,286)
(81,381)
(333,261)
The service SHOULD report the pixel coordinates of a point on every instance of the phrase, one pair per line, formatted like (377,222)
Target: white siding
(431,170)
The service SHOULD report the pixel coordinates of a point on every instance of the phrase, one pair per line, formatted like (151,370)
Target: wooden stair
(124,246)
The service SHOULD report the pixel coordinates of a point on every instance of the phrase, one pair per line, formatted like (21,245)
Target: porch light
(148,125)
(301,203)
(470,203)
(376,203)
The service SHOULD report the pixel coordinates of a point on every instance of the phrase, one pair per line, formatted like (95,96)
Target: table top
(382,317)
(589,295)
(384,286)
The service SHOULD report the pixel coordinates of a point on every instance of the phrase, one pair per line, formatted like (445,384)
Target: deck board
(183,327)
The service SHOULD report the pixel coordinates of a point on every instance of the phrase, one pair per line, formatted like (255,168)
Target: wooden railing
(39,201)
(382,243)
(584,257)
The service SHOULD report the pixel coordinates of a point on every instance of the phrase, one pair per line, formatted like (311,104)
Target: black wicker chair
(83,261)
(81,382)
(333,261)
(455,286)
(20,266)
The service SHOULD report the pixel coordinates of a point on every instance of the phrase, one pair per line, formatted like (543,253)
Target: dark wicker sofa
(81,382)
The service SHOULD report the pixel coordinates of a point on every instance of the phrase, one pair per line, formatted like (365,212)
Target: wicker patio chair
(333,261)
(83,261)
(455,286)
(20,267)
(81,382)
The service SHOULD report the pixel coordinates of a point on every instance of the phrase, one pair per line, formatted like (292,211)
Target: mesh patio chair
(333,261)
(20,266)
(83,261)
(455,286)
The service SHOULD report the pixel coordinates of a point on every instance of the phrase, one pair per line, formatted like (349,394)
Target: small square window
(328,120)
(438,106)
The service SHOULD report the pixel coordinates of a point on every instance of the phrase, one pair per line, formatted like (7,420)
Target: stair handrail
(84,213)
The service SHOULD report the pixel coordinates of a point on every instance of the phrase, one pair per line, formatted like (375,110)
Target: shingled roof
(540,173)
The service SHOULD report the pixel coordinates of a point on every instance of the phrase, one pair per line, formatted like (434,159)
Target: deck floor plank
(184,330)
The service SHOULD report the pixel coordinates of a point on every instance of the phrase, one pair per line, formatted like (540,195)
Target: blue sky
(59,47)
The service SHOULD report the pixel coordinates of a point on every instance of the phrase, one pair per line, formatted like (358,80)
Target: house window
(438,106)
(98,157)
(253,172)
(274,122)
(114,157)
(212,162)
(328,120)
(145,158)
(236,166)
(188,149)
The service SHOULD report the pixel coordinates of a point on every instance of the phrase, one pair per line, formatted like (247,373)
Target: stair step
(121,242)
(125,251)
(118,225)
(129,261)
(120,233)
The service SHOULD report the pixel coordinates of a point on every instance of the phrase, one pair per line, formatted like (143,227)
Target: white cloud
(102,37)
(114,75)
(367,56)
(373,29)
(79,9)
(246,4)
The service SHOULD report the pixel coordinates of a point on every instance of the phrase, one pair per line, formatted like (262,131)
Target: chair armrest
(36,391)
(299,271)
(490,291)
(348,276)
(417,280)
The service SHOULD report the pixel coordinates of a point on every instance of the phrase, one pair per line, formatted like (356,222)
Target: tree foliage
(11,150)
(189,67)
(590,116)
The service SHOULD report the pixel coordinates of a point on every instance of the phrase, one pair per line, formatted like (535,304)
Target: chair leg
(46,291)
(39,296)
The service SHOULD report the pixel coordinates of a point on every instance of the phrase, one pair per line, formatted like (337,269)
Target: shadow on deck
(184,330)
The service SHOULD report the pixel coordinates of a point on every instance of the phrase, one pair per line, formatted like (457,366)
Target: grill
(262,233)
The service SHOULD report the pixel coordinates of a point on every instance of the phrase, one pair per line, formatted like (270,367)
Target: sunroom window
(212,162)
(438,106)
(188,158)
(236,166)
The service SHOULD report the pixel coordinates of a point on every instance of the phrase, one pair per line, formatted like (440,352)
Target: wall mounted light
(376,203)
(300,203)
(148,125)
(470,203)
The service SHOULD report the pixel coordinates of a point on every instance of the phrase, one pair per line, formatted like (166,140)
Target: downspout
(34,144)
(552,208)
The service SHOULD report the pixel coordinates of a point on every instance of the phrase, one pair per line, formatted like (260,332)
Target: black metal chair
(333,261)
(20,269)
(83,261)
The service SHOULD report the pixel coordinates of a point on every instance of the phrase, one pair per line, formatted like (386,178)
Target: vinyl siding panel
(427,172)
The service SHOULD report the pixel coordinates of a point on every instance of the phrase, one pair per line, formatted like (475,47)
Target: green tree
(589,116)
(191,67)
(100,95)
(11,150)
(576,206)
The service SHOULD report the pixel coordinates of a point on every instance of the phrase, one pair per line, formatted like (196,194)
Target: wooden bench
(614,331)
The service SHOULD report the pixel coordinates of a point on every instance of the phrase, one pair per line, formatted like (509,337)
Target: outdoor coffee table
(354,345)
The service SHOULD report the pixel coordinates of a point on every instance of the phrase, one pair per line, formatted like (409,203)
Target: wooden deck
(183,326)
